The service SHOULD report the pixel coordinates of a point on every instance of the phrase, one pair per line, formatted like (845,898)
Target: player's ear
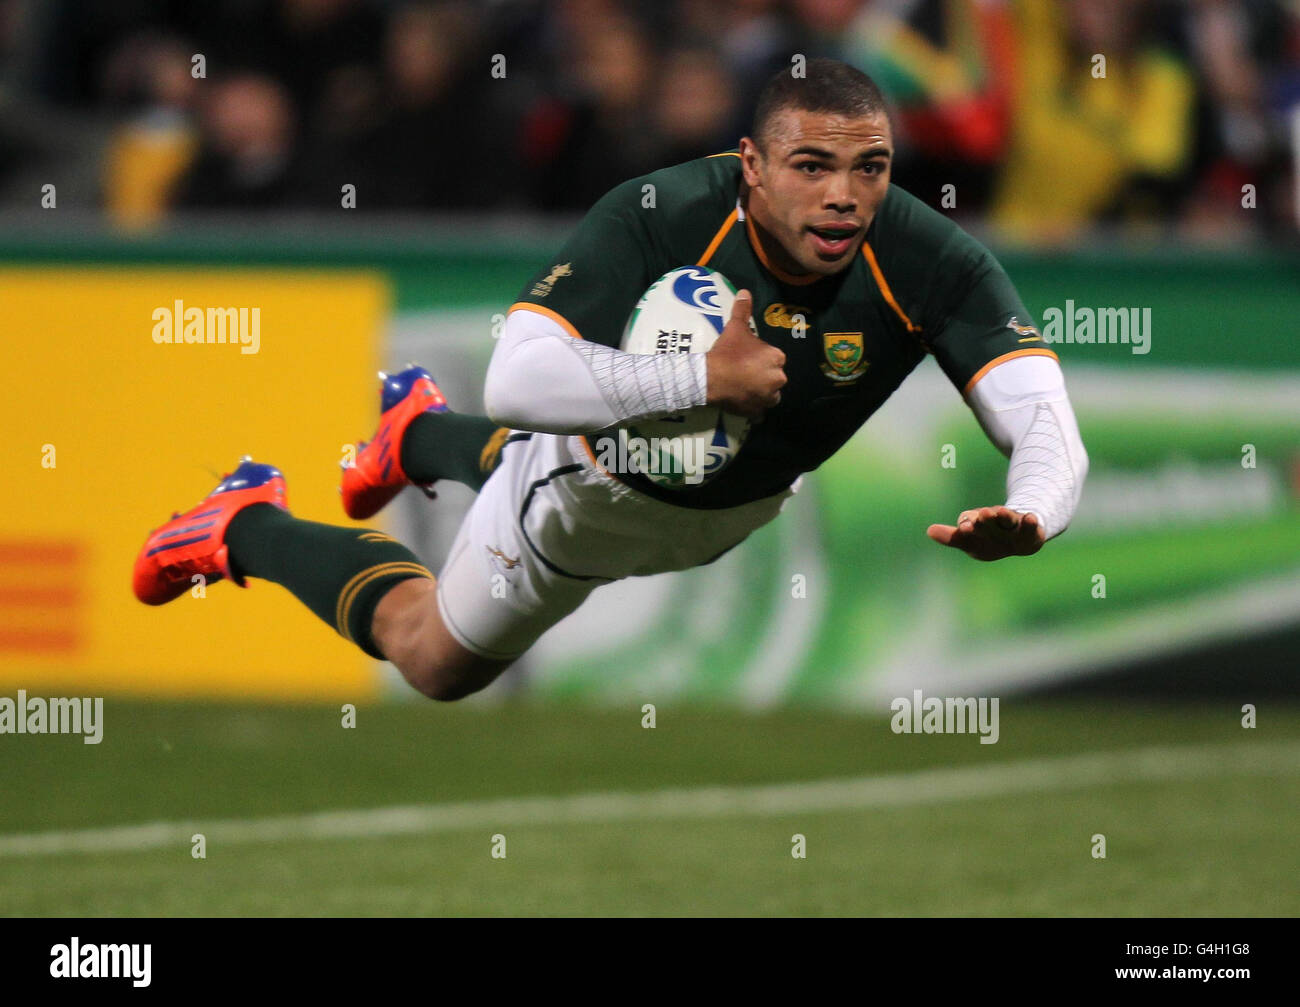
(751,157)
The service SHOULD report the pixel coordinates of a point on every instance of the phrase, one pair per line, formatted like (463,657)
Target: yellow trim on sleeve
(554,316)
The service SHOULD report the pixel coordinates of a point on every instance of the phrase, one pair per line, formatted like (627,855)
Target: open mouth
(832,240)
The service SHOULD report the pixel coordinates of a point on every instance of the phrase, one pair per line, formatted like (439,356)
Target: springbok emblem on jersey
(1027,332)
(844,359)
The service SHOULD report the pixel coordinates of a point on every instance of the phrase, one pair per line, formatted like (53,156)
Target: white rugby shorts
(550,526)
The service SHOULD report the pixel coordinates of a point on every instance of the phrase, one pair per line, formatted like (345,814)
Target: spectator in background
(1086,147)
(995,97)
(826,23)
(947,69)
(1248,56)
(41,142)
(246,158)
(751,37)
(309,46)
(431,141)
(694,107)
(152,149)
(593,133)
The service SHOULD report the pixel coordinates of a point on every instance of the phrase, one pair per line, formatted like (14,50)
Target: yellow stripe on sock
(488,457)
(353,587)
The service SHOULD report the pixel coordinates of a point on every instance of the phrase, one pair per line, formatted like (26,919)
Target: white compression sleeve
(541,378)
(1023,407)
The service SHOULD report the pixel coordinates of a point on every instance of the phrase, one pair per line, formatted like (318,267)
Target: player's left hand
(990,533)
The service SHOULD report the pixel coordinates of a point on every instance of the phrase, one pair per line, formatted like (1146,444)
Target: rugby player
(850,282)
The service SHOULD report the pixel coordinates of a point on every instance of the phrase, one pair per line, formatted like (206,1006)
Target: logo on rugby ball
(683,312)
(698,289)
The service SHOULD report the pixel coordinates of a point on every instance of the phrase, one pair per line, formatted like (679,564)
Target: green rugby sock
(464,449)
(339,573)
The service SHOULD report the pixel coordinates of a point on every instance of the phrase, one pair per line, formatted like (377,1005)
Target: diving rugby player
(850,282)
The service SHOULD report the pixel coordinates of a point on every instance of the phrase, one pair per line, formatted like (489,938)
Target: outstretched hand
(989,533)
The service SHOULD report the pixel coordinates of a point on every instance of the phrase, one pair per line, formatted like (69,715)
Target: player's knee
(431,680)
(443,688)
(437,688)
(447,681)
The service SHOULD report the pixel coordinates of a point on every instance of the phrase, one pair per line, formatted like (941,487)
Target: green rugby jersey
(919,285)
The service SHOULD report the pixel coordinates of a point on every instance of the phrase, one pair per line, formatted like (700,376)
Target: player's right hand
(745,374)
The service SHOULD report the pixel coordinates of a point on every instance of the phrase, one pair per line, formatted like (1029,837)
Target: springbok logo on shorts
(697,288)
(501,559)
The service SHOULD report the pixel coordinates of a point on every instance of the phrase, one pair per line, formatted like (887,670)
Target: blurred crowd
(1036,118)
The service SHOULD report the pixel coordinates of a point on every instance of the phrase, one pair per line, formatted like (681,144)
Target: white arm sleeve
(1023,407)
(542,378)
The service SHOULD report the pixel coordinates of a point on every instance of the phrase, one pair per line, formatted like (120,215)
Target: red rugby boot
(376,476)
(193,542)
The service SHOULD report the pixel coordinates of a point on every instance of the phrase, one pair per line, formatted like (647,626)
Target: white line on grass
(927,786)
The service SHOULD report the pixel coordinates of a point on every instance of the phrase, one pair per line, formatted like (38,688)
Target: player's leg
(546,530)
(408,628)
(370,588)
(344,575)
(418,440)
(457,446)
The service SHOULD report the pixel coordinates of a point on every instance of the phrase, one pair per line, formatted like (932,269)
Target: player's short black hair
(827,85)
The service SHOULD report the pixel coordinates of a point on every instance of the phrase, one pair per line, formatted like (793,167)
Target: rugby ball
(684,311)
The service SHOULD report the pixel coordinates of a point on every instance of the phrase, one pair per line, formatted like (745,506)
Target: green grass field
(1218,837)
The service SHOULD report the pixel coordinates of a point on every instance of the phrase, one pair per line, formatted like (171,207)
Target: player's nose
(838,194)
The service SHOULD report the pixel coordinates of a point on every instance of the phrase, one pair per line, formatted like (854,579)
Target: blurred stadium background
(128,182)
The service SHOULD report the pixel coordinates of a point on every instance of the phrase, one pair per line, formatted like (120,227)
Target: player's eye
(808,167)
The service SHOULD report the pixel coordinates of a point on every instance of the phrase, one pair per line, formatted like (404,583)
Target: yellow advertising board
(110,426)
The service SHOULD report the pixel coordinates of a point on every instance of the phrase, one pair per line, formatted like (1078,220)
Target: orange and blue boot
(193,542)
(377,476)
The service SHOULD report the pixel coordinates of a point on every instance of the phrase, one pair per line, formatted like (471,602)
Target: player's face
(817,186)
